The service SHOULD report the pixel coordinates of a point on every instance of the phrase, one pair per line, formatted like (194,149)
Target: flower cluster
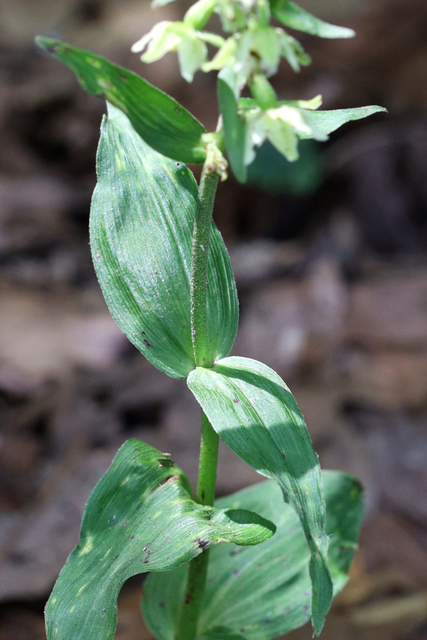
(253,47)
(246,56)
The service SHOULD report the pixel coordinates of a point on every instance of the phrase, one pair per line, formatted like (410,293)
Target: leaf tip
(48,44)
(240,174)
(347,33)
(375,109)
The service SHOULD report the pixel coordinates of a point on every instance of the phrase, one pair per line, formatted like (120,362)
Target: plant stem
(198,568)
(207,463)
(199,266)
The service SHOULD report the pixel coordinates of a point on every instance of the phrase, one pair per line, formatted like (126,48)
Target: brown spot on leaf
(166,463)
(167,480)
(53,48)
(202,543)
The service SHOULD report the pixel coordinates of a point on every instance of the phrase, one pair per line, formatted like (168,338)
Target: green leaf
(161,121)
(328,121)
(297,18)
(253,411)
(235,129)
(262,592)
(221,633)
(140,517)
(163,597)
(270,171)
(142,217)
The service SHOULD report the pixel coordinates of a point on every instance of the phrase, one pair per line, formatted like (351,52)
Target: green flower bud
(198,15)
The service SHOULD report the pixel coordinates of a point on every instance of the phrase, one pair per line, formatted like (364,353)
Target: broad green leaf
(140,517)
(272,173)
(293,16)
(262,592)
(253,411)
(142,217)
(328,121)
(221,633)
(161,121)
(235,129)
(163,596)
(276,575)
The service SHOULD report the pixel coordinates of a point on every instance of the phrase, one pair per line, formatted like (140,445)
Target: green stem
(198,568)
(207,463)
(199,266)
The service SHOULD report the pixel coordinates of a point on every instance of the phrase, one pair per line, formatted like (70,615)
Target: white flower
(189,43)
(282,126)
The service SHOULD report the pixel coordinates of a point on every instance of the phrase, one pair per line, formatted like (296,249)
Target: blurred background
(330,260)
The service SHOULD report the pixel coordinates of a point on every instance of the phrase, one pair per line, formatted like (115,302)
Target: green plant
(167,280)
